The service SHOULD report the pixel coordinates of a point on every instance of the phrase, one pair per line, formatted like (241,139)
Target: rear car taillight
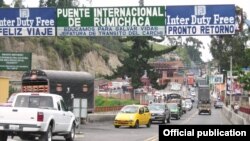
(39,116)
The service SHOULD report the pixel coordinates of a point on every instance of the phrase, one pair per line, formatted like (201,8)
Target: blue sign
(27,22)
(200,20)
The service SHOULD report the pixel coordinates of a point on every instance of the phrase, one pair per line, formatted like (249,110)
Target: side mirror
(69,109)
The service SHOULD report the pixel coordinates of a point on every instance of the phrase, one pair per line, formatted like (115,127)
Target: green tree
(136,61)
(42,3)
(64,3)
(1,3)
(51,3)
(192,45)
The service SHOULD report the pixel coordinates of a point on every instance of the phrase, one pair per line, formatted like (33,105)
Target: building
(4,89)
(171,71)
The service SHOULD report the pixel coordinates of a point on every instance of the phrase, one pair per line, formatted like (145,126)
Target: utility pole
(231,80)
(141,2)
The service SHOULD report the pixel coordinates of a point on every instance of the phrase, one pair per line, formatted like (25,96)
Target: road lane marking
(190,117)
(153,138)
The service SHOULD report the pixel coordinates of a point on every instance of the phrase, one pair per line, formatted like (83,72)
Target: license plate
(14,127)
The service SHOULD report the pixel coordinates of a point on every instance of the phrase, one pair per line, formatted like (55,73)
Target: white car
(34,115)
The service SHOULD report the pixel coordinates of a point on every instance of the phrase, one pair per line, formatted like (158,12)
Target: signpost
(190,20)
(111,21)
(200,20)
(20,22)
(15,61)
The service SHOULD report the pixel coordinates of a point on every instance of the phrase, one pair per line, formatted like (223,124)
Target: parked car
(160,112)
(175,110)
(133,116)
(218,104)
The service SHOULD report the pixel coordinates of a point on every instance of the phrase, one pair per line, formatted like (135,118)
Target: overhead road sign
(19,22)
(111,21)
(200,20)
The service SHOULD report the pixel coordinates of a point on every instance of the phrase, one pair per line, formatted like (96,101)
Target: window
(141,110)
(64,108)
(146,110)
(58,106)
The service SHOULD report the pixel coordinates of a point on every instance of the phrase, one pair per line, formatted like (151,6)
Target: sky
(206,56)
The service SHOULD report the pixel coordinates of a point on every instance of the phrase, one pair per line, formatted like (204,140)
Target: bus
(68,84)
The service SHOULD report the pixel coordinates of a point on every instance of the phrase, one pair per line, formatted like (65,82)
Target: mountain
(71,53)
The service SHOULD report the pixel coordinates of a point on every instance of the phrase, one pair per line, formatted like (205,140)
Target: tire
(72,134)
(165,120)
(117,126)
(47,136)
(27,137)
(3,136)
(168,121)
(136,124)
(149,123)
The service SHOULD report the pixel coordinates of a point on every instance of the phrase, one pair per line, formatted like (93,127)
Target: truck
(68,84)
(37,115)
(190,79)
(204,101)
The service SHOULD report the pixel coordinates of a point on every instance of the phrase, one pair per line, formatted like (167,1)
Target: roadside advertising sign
(111,21)
(200,20)
(15,61)
(27,22)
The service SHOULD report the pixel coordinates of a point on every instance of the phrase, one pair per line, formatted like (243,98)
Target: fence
(107,108)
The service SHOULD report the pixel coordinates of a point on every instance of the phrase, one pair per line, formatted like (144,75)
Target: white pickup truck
(37,116)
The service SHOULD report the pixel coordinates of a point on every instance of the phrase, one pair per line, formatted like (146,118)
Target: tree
(42,3)
(1,3)
(136,61)
(51,3)
(64,3)
(224,46)
(192,45)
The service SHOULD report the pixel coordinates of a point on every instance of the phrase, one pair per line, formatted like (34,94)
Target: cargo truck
(204,101)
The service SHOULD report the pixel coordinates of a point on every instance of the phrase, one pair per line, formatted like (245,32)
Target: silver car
(160,112)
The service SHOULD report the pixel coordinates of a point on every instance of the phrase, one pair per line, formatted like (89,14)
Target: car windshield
(34,101)
(129,109)
(172,105)
(156,107)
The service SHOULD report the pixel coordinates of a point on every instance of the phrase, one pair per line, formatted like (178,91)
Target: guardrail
(107,108)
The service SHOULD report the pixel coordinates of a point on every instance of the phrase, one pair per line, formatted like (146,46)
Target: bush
(102,101)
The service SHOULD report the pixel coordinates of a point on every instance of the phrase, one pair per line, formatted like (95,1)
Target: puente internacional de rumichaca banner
(192,20)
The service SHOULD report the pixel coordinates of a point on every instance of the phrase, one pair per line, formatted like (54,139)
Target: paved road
(106,131)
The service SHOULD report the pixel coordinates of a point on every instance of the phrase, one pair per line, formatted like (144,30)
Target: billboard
(119,21)
(200,20)
(111,21)
(27,22)
(15,61)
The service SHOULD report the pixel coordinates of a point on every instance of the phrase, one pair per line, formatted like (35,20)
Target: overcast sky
(112,3)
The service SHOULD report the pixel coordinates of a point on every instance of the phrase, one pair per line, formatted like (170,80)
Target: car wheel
(72,133)
(149,123)
(26,137)
(47,136)
(164,121)
(117,126)
(169,119)
(3,136)
(136,124)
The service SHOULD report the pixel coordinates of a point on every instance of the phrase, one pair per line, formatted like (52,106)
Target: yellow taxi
(133,116)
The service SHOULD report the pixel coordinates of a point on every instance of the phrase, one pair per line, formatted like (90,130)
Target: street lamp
(231,80)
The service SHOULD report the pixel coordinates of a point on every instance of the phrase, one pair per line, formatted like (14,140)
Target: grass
(102,101)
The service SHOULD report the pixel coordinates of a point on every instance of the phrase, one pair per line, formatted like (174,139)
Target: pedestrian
(236,107)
